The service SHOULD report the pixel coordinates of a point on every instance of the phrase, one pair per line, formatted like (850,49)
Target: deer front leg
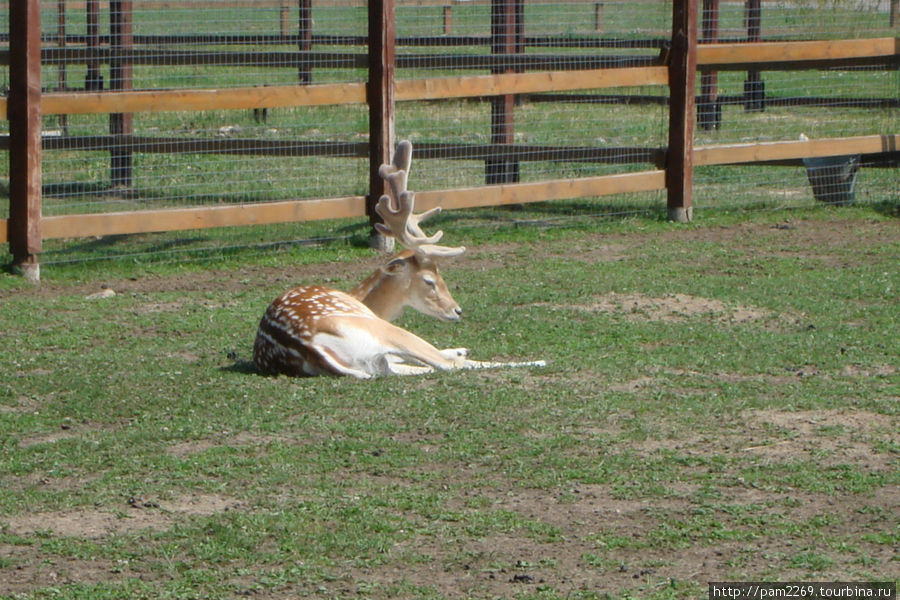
(410,348)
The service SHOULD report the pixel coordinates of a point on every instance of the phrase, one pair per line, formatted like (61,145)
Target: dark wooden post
(709,111)
(895,13)
(304,44)
(754,86)
(381,107)
(120,78)
(24,114)
(93,80)
(61,75)
(506,35)
(682,81)
(598,17)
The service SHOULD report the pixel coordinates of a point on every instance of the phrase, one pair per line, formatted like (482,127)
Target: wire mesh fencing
(96,162)
(181,159)
(787,103)
(537,136)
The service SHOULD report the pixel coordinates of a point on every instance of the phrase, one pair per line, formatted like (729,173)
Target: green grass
(663,447)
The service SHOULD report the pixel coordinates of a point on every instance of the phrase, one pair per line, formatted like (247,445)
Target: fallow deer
(314,330)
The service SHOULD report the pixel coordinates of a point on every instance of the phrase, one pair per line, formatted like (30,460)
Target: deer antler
(396,209)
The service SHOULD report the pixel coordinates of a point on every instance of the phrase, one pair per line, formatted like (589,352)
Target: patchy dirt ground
(805,236)
(585,518)
(588,520)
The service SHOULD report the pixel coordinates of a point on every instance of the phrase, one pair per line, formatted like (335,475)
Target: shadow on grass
(889,207)
(241,367)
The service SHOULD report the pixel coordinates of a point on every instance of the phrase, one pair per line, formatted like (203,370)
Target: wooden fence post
(506,40)
(448,19)
(24,114)
(895,13)
(754,86)
(380,92)
(305,27)
(61,75)
(682,81)
(93,80)
(709,110)
(120,78)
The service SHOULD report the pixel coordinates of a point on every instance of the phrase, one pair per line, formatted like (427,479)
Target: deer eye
(429,281)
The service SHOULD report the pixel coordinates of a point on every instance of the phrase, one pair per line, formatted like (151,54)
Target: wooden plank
(560,189)
(436,88)
(727,154)
(780,52)
(180,219)
(682,104)
(24,225)
(202,217)
(189,100)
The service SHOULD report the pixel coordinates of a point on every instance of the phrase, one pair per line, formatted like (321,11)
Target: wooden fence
(675,67)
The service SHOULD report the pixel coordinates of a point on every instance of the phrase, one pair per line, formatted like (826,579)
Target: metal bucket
(833,178)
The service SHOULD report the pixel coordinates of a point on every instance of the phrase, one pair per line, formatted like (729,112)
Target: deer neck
(385,292)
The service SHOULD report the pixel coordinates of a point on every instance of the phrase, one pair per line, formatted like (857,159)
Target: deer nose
(458,311)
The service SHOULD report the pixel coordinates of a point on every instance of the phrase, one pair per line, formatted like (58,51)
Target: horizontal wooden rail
(69,103)
(560,189)
(522,83)
(772,55)
(710,55)
(755,152)
(203,217)
(146,221)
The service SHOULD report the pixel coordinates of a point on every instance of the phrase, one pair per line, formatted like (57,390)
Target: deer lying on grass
(313,330)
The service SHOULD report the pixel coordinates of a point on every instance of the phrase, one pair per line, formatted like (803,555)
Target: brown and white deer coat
(314,330)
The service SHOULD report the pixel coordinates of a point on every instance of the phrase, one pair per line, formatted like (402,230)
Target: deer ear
(396,265)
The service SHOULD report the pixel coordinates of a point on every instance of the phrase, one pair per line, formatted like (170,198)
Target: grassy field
(720,403)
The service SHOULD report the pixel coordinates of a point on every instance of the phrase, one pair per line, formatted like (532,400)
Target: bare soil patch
(673,307)
(136,514)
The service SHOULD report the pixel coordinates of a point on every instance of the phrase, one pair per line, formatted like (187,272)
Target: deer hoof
(456,355)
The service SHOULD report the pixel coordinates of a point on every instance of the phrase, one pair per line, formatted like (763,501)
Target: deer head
(411,278)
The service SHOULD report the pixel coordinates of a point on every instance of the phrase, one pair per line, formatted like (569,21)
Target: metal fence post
(682,81)
(381,107)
